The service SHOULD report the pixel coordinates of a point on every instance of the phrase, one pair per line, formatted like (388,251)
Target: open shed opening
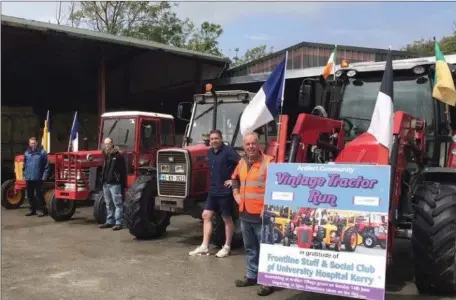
(63,69)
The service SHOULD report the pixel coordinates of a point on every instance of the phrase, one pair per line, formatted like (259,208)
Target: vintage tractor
(77,174)
(374,231)
(423,189)
(14,189)
(181,184)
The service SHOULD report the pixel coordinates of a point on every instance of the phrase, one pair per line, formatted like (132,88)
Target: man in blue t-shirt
(222,162)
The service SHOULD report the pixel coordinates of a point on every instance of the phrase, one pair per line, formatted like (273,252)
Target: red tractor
(139,135)
(374,231)
(182,182)
(423,191)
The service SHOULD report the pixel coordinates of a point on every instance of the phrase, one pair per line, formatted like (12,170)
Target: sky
(283,24)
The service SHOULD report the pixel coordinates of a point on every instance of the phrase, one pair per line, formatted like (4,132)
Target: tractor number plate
(179,178)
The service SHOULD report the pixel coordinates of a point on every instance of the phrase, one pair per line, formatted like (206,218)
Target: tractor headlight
(338,73)
(89,157)
(179,169)
(351,73)
(453,151)
(164,168)
(418,70)
(454,138)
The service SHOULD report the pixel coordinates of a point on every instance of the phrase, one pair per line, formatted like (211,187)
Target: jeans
(114,205)
(35,195)
(251,233)
(268,233)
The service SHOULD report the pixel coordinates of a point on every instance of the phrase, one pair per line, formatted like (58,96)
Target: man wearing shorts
(222,162)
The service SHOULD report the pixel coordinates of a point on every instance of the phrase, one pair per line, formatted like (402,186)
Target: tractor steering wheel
(319,111)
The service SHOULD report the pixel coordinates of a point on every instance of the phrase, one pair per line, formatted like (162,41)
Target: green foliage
(425,47)
(252,54)
(154,21)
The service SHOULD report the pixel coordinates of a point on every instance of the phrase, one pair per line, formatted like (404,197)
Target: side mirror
(305,95)
(184,111)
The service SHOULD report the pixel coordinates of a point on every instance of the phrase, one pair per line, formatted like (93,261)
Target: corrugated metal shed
(307,55)
(104,37)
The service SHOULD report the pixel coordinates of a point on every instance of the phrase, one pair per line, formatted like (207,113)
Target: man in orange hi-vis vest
(248,184)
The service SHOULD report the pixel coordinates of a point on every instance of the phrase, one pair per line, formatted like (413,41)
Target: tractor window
(166,133)
(409,96)
(148,135)
(121,131)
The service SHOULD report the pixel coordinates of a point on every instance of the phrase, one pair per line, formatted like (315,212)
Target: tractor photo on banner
(336,237)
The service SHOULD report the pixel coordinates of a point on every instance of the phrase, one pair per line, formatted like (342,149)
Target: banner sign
(325,229)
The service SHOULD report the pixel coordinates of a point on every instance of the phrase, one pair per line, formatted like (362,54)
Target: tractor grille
(170,182)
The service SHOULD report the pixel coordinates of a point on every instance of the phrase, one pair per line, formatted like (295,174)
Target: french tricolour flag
(74,136)
(266,104)
(381,126)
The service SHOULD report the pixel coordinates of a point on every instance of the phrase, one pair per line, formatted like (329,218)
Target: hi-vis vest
(252,184)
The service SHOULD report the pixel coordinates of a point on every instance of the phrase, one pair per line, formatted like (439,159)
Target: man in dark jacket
(114,181)
(36,169)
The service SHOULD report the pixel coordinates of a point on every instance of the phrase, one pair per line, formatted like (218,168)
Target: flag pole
(281,107)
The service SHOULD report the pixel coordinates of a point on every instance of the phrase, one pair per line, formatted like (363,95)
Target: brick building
(306,55)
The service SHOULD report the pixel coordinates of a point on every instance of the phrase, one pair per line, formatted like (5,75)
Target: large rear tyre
(99,209)
(434,238)
(351,239)
(218,232)
(141,218)
(10,198)
(60,209)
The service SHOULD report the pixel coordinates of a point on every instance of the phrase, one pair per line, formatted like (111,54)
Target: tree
(252,54)
(425,47)
(146,20)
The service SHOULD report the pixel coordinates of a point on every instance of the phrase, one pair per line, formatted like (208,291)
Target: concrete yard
(42,259)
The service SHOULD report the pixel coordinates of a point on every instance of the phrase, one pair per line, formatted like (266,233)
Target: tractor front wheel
(369,240)
(10,198)
(143,221)
(434,238)
(99,209)
(60,209)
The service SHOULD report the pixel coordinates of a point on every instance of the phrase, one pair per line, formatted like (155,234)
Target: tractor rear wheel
(218,232)
(99,209)
(434,238)
(10,198)
(143,221)
(60,209)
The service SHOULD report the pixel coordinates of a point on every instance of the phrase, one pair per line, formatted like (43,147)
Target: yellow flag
(444,89)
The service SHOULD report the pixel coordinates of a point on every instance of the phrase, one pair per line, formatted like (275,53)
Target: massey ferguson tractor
(78,174)
(181,183)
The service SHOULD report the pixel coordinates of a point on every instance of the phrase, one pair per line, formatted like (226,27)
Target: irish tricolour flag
(381,126)
(444,89)
(330,65)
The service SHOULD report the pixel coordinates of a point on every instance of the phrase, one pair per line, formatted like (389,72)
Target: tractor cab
(218,110)
(138,135)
